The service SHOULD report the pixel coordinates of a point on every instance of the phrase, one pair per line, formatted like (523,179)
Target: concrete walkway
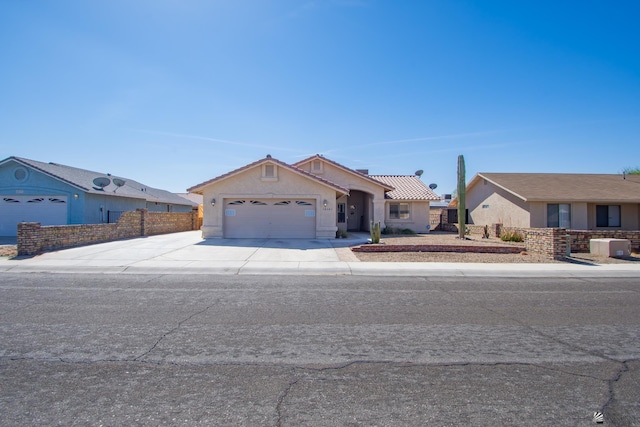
(188,253)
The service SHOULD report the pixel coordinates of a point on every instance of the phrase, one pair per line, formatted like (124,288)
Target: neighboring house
(438,213)
(538,200)
(54,194)
(312,198)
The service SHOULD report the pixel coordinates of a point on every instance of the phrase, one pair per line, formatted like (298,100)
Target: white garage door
(273,218)
(47,210)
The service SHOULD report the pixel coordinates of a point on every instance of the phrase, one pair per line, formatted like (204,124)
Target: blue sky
(175,92)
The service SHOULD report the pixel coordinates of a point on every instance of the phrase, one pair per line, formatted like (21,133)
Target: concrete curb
(331,269)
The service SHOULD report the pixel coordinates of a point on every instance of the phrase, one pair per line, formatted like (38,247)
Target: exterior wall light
(213,202)
(75,196)
(324,203)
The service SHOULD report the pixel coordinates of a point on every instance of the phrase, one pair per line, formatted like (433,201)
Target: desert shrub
(389,230)
(511,236)
(407,231)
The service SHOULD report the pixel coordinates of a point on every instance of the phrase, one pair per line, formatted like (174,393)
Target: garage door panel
(269,218)
(47,210)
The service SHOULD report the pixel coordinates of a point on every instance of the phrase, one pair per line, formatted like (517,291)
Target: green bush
(511,236)
(394,230)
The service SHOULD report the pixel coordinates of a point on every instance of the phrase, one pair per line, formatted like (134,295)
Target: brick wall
(486,249)
(580,238)
(33,238)
(550,242)
(168,222)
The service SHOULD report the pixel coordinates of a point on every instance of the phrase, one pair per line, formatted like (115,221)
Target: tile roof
(293,168)
(563,187)
(406,187)
(84,180)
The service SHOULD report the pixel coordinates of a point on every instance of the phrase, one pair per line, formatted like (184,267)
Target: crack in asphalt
(136,359)
(281,399)
(624,368)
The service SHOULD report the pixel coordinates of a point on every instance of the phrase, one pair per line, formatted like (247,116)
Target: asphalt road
(317,350)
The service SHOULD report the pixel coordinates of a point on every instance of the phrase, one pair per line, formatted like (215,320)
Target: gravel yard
(436,238)
(8,251)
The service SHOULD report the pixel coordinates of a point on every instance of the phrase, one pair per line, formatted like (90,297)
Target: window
(398,210)
(559,215)
(342,209)
(608,216)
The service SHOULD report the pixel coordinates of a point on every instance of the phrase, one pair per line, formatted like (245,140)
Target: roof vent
(363,171)
(268,156)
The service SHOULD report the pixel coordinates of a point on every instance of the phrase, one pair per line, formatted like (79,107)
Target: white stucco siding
(251,185)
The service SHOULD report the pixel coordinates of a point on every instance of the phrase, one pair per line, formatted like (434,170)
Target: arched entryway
(355,211)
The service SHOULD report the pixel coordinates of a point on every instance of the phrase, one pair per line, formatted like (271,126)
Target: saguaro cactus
(462,193)
(375,232)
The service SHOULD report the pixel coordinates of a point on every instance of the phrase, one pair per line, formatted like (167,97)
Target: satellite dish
(419,173)
(102,182)
(118,183)
(433,186)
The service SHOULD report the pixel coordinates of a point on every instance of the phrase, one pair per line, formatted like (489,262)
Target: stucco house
(539,200)
(55,194)
(312,198)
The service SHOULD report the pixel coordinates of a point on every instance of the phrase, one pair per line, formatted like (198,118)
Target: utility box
(610,247)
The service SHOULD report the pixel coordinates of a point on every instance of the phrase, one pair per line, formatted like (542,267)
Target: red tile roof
(406,187)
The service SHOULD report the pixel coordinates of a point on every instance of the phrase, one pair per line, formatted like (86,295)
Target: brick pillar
(144,223)
(559,238)
(194,220)
(28,238)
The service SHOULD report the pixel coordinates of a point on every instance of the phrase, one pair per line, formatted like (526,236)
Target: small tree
(462,193)
(631,171)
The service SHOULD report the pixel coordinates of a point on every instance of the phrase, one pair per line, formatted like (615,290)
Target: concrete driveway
(190,253)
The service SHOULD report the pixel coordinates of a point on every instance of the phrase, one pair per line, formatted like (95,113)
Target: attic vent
(363,171)
(20,174)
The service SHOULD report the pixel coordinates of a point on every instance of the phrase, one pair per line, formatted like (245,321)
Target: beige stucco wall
(579,216)
(249,184)
(418,216)
(352,181)
(503,207)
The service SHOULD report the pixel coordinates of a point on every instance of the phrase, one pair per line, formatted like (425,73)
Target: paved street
(317,350)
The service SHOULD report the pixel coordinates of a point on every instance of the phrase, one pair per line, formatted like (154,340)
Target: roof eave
(66,181)
(346,169)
